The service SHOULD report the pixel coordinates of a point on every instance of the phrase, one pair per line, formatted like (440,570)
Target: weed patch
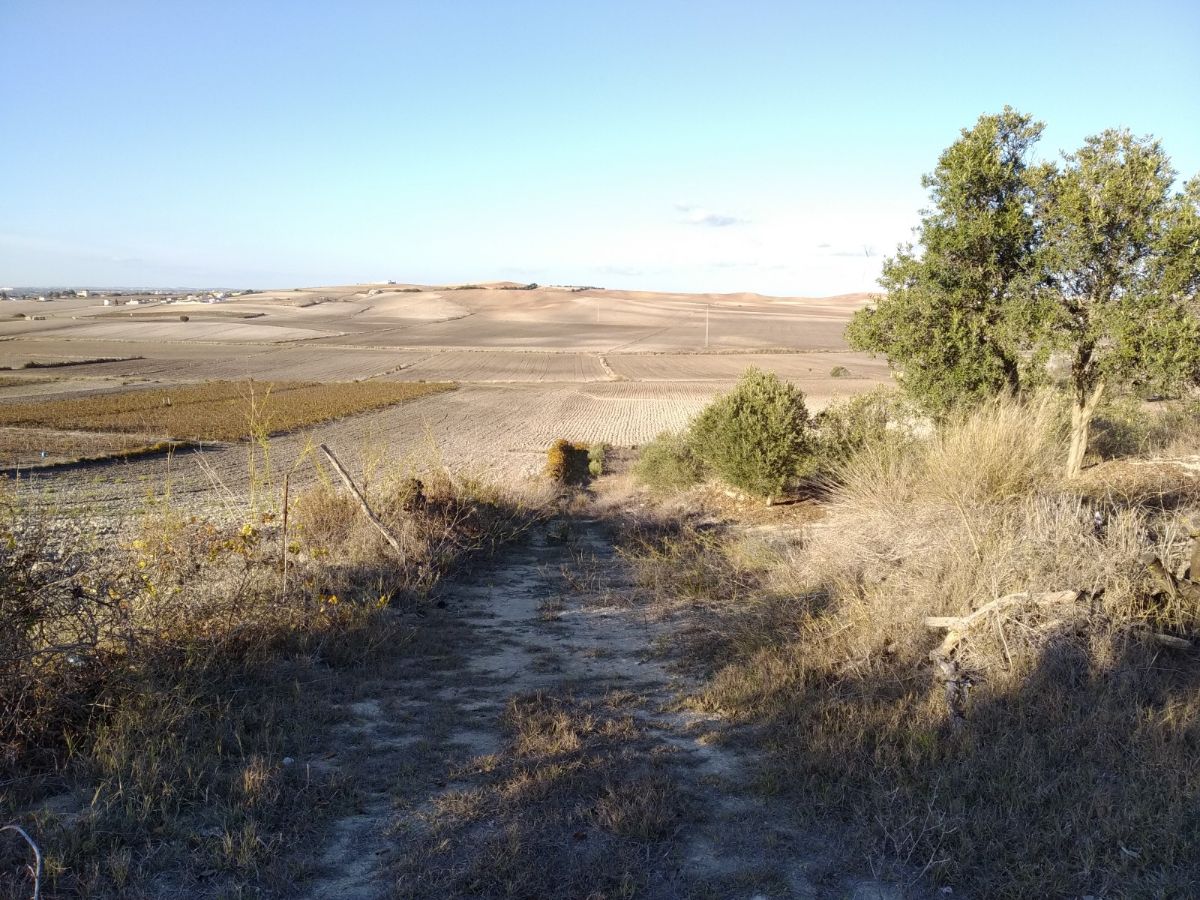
(215,410)
(156,691)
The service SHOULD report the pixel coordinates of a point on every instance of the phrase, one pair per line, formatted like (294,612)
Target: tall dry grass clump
(1049,751)
(1001,450)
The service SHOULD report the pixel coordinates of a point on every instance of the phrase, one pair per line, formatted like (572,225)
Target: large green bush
(758,437)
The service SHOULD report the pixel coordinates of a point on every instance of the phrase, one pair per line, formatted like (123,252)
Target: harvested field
(796,367)
(214,411)
(534,365)
(483,366)
(205,332)
(30,355)
(497,430)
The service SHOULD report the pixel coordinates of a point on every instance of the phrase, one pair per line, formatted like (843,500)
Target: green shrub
(839,372)
(596,453)
(668,464)
(758,437)
(845,427)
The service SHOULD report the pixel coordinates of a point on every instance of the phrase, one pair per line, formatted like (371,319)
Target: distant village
(118,297)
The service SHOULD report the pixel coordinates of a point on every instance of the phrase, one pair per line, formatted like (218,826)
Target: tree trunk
(1083,407)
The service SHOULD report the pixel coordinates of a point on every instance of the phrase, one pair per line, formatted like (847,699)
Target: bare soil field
(484,366)
(533,365)
(798,367)
(232,332)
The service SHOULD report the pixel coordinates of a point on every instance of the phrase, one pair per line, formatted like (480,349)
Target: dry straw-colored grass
(150,690)
(1074,770)
(573,807)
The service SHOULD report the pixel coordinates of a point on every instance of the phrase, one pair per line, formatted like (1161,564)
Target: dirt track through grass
(531,745)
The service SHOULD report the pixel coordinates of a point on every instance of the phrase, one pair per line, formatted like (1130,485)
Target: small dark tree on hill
(758,436)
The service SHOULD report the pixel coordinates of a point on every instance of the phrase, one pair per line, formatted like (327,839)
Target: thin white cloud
(698,215)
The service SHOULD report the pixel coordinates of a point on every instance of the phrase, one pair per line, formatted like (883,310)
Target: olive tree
(956,307)
(1119,261)
(1097,261)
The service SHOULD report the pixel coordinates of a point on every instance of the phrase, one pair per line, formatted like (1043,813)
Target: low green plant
(668,463)
(758,437)
(839,372)
(596,454)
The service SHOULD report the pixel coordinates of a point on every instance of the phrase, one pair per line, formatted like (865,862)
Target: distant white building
(108,301)
(81,293)
(134,302)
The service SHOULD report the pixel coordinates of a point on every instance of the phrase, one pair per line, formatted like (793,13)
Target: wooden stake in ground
(362,501)
(283,536)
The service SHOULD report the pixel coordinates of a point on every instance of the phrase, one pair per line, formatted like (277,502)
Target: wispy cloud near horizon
(698,215)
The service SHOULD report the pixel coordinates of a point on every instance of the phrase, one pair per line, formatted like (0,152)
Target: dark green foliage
(1120,261)
(757,437)
(1098,261)
(955,309)
(839,372)
(595,454)
(668,464)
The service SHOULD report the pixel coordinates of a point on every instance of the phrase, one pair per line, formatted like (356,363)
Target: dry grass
(216,410)
(1074,770)
(37,447)
(150,691)
(572,808)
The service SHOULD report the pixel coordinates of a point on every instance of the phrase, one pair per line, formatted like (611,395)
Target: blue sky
(766,146)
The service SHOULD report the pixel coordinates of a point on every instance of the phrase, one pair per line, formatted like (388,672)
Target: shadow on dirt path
(530,743)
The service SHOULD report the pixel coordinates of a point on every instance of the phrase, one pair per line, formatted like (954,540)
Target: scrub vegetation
(155,687)
(1043,747)
(215,410)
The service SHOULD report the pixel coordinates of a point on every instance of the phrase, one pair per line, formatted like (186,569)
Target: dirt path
(529,743)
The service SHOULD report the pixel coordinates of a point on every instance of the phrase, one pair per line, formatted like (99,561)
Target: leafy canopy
(1120,259)
(955,309)
(1097,262)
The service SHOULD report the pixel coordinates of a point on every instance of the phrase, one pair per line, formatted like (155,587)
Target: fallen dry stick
(957,683)
(958,625)
(362,501)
